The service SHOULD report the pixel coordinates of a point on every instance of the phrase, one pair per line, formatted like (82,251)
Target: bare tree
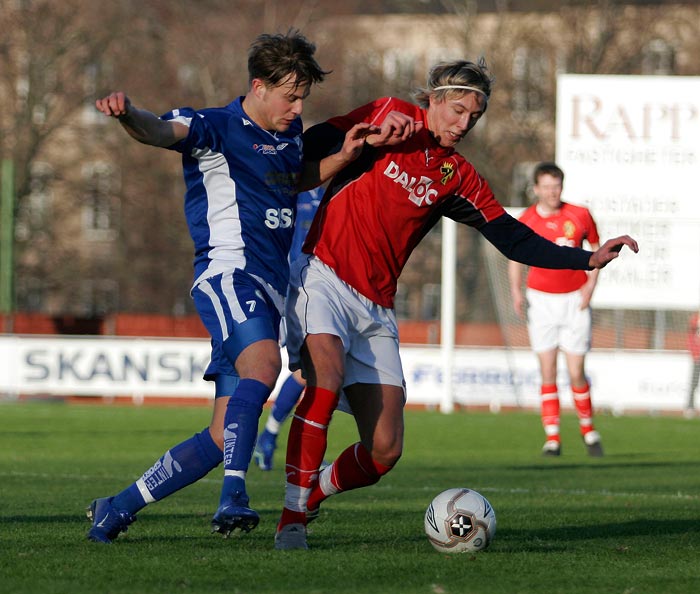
(52,59)
(46,52)
(113,222)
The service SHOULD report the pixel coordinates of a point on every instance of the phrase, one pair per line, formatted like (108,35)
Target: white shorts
(557,320)
(320,303)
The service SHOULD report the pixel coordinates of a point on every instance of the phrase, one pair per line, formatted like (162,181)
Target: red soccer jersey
(569,226)
(367,226)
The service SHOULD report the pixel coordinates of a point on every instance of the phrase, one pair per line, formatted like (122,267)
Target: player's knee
(268,375)
(326,376)
(323,361)
(266,370)
(388,460)
(387,453)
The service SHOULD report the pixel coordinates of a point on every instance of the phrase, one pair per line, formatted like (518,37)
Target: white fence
(76,366)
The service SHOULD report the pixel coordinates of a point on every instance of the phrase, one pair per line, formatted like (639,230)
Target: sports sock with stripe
(550,411)
(305,450)
(240,431)
(354,468)
(584,408)
(180,466)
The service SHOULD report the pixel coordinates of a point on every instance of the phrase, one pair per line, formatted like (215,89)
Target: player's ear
(258,87)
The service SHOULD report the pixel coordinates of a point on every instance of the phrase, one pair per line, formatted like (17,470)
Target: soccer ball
(460,521)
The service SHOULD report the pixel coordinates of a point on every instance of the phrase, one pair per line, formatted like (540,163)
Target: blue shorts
(236,311)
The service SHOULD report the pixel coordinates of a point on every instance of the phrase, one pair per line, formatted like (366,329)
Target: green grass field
(628,523)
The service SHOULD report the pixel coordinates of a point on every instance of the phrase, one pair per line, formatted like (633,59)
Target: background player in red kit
(341,325)
(559,313)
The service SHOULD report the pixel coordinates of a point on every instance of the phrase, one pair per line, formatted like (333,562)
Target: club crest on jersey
(448,170)
(569,229)
(418,187)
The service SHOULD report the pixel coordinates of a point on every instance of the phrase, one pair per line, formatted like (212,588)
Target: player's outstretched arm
(516,241)
(610,250)
(141,125)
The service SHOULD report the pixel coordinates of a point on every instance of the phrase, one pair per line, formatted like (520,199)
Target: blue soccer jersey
(240,202)
(307,205)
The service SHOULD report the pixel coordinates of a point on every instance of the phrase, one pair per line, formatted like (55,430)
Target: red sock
(305,450)
(584,408)
(354,468)
(550,411)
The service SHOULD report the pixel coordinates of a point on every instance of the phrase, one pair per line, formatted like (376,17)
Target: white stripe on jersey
(230,293)
(225,237)
(206,288)
(179,118)
(224,231)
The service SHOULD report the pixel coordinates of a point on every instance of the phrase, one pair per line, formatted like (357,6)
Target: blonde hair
(447,79)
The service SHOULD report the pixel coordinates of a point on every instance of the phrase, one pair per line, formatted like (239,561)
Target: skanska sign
(496,378)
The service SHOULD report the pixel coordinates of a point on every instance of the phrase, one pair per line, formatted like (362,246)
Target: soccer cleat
(593,444)
(233,514)
(551,447)
(264,450)
(290,537)
(107,522)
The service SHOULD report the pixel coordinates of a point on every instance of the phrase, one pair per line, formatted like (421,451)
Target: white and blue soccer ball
(460,521)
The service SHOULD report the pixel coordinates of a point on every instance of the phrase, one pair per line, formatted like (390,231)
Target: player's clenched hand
(355,139)
(611,250)
(395,129)
(115,104)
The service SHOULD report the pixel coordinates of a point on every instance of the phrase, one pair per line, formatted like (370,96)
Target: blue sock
(286,399)
(240,430)
(180,466)
(234,486)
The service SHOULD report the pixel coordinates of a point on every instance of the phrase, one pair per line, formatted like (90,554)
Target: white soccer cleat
(593,444)
(551,447)
(290,537)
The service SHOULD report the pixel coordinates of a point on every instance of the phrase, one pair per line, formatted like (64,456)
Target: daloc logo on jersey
(418,188)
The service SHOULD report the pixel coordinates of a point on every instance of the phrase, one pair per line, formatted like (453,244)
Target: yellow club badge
(447,170)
